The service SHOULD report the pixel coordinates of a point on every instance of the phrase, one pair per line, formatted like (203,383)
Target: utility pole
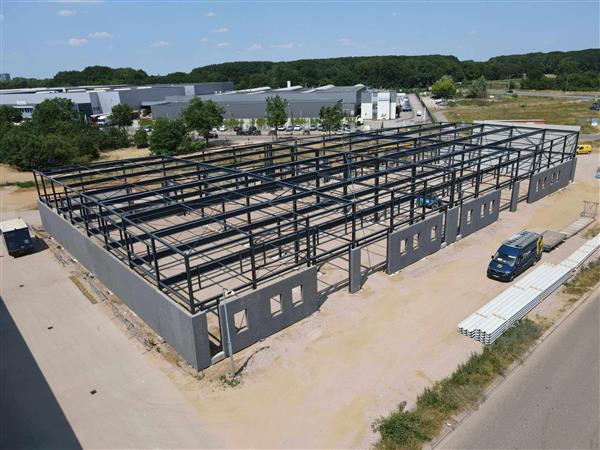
(229,345)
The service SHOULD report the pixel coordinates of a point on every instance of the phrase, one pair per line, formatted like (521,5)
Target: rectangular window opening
(275,305)
(469,217)
(403,244)
(297,295)
(240,321)
(433,232)
(415,241)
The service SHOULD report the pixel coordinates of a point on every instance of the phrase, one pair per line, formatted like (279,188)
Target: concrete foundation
(479,213)
(409,245)
(269,309)
(187,334)
(550,180)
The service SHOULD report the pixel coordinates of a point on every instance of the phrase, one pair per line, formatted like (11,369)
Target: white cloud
(222,44)
(285,45)
(74,42)
(204,40)
(256,47)
(221,30)
(67,12)
(210,14)
(101,35)
(160,44)
(1,16)
(473,33)
(346,42)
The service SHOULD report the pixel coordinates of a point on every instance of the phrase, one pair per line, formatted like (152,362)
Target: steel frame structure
(237,217)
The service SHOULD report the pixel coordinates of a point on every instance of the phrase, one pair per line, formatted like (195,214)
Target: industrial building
(91,100)
(218,250)
(251,103)
(380,105)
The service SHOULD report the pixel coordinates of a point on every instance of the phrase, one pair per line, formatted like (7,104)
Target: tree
(202,117)
(331,117)
(9,115)
(478,88)
(140,138)
(444,87)
(121,115)
(167,136)
(112,138)
(53,113)
(275,111)
(261,122)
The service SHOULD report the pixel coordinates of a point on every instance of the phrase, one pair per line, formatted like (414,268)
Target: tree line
(581,68)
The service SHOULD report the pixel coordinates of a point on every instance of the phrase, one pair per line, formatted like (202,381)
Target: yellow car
(584,149)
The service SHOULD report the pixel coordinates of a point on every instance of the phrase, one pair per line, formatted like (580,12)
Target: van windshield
(505,258)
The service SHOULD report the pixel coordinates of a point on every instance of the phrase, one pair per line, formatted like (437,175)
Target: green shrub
(167,136)
(140,138)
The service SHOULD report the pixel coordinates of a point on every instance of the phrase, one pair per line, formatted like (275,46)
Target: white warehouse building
(380,105)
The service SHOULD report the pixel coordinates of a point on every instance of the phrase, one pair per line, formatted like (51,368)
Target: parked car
(419,113)
(297,128)
(223,128)
(281,128)
(516,255)
(584,149)
(313,128)
(289,128)
(16,236)
(306,131)
(430,201)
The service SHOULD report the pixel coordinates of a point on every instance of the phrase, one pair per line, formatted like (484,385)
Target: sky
(39,39)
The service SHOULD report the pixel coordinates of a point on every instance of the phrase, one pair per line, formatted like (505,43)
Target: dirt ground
(322,382)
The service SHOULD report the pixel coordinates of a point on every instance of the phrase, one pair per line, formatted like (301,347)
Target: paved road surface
(552,401)
(70,379)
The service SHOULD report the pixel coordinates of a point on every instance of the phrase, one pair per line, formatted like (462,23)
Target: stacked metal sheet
(489,322)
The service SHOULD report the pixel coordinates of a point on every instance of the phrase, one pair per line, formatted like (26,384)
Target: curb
(457,420)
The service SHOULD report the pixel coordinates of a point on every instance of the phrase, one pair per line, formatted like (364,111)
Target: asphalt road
(551,401)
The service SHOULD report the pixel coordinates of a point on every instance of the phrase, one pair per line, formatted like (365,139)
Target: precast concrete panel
(407,246)
(187,334)
(354,271)
(451,226)
(479,213)
(267,310)
(514,196)
(549,181)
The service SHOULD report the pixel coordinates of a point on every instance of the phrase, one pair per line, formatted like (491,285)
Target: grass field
(551,110)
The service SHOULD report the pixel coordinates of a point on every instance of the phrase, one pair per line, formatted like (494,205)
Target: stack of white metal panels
(490,321)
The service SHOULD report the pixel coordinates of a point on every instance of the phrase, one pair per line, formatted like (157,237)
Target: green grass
(584,281)
(20,184)
(551,110)
(461,390)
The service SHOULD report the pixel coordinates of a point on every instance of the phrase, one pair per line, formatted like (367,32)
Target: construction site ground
(318,384)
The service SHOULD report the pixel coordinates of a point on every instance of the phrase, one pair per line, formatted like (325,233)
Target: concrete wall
(268,310)
(451,226)
(549,181)
(479,213)
(186,333)
(410,244)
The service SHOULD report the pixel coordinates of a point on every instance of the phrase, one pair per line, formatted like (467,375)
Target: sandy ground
(322,382)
